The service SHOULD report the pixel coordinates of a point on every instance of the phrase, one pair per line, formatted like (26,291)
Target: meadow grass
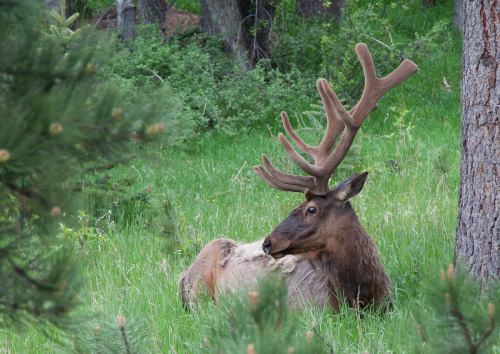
(410,146)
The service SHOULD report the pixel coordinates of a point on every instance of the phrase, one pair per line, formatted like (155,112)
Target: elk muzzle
(276,249)
(266,246)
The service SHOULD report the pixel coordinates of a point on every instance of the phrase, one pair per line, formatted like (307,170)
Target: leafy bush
(438,40)
(213,91)
(340,63)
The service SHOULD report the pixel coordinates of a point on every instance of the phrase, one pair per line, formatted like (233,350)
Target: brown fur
(333,235)
(351,259)
(204,273)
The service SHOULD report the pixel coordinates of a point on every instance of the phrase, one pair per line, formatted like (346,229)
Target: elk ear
(350,187)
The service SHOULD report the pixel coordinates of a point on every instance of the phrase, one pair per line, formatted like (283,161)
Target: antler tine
(291,132)
(404,70)
(334,126)
(303,181)
(375,88)
(299,160)
(276,183)
(337,106)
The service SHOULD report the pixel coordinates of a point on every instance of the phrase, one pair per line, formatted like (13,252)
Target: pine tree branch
(111,164)
(22,273)
(455,312)
(486,334)
(28,193)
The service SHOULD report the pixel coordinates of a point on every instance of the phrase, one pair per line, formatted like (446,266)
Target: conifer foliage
(261,323)
(57,119)
(460,314)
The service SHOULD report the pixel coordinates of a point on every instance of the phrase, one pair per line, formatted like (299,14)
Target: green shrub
(209,87)
(438,40)
(340,63)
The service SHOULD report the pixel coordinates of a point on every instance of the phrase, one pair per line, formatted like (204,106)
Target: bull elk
(321,246)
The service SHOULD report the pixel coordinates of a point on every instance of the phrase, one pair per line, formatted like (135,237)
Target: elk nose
(266,246)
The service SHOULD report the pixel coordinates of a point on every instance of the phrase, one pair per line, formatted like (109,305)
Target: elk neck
(352,264)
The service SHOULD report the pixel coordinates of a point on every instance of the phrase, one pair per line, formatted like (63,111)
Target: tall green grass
(410,146)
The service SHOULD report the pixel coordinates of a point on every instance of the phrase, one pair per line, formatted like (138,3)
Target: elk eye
(312,210)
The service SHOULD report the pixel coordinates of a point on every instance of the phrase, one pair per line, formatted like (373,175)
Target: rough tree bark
(478,230)
(126,19)
(458,14)
(244,24)
(56,5)
(154,11)
(317,8)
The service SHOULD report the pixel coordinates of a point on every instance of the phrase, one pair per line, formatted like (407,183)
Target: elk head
(326,213)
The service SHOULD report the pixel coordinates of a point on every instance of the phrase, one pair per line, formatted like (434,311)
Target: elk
(321,246)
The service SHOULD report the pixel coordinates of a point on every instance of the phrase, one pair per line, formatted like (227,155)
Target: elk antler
(339,121)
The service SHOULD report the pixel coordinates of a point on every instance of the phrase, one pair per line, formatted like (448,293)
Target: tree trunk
(223,17)
(56,5)
(458,14)
(317,8)
(126,19)
(245,26)
(258,18)
(154,11)
(478,230)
